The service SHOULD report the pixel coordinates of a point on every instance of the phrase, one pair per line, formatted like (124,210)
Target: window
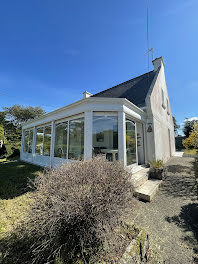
(105,136)
(28,140)
(163,103)
(60,148)
(131,142)
(43,140)
(69,139)
(76,139)
(39,141)
(168,109)
(47,141)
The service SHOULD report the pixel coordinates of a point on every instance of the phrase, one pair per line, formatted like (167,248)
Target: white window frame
(128,118)
(28,130)
(43,126)
(67,119)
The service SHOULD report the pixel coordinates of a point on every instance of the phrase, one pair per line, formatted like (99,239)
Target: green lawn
(191,151)
(15,195)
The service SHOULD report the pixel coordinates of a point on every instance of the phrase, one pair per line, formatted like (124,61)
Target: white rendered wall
(161,121)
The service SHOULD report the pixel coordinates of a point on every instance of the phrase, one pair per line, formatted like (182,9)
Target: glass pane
(26,141)
(76,139)
(47,141)
(30,141)
(105,136)
(39,141)
(130,142)
(60,148)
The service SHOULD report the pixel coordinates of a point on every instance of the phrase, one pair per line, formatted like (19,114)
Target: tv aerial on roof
(149,50)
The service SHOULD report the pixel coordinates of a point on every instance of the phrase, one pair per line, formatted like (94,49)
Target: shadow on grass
(180,182)
(187,220)
(15,250)
(196,173)
(64,249)
(14,177)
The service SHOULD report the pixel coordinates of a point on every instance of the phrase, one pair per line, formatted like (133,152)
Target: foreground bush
(75,210)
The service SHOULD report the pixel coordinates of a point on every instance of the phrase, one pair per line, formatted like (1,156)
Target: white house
(131,122)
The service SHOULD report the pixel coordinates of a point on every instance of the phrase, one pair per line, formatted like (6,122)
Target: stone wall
(138,251)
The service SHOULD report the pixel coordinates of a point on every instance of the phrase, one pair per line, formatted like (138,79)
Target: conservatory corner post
(34,142)
(122,137)
(52,143)
(88,135)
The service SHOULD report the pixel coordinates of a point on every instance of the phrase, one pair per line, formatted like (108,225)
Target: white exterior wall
(160,121)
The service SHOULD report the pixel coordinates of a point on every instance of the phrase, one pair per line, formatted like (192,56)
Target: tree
(17,114)
(192,140)
(176,126)
(188,126)
(195,136)
(1,132)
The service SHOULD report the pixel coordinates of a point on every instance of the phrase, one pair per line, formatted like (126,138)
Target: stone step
(147,191)
(139,177)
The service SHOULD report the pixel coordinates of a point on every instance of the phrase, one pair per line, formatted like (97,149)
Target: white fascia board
(135,115)
(133,111)
(94,104)
(87,104)
(134,107)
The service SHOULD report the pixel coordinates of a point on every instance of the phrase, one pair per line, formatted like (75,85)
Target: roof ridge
(122,83)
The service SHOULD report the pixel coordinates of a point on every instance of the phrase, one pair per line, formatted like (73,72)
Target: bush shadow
(14,178)
(180,182)
(187,220)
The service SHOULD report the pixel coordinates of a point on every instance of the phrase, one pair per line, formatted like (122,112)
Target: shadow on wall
(187,220)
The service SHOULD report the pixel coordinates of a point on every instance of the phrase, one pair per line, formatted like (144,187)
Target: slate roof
(135,90)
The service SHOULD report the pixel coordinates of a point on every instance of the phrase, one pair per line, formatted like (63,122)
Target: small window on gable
(163,103)
(168,108)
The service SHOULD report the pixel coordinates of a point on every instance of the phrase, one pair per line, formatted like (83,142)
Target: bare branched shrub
(75,210)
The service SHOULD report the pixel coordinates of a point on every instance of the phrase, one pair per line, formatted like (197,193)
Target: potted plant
(157,170)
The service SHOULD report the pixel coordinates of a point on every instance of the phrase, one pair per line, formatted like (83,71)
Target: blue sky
(52,51)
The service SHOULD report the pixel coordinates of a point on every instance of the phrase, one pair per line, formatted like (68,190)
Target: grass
(191,151)
(14,177)
(15,196)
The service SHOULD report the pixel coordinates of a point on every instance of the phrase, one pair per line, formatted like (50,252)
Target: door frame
(134,123)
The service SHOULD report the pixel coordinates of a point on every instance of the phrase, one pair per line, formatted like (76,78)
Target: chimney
(86,94)
(157,63)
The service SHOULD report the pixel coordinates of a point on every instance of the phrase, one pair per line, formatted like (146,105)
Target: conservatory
(112,127)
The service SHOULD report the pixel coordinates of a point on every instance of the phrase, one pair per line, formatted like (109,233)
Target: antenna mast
(147,30)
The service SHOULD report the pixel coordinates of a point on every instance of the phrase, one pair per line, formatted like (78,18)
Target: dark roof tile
(135,90)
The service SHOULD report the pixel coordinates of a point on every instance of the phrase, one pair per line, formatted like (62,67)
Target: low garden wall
(138,250)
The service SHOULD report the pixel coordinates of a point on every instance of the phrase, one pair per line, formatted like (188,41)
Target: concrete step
(147,191)
(139,177)
(138,168)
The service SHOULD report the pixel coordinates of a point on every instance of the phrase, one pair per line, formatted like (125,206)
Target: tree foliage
(192,140)
(188,126)
(10,123)
(17,114)
(176,126)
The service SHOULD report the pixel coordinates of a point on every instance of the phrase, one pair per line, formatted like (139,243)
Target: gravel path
(171,219)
